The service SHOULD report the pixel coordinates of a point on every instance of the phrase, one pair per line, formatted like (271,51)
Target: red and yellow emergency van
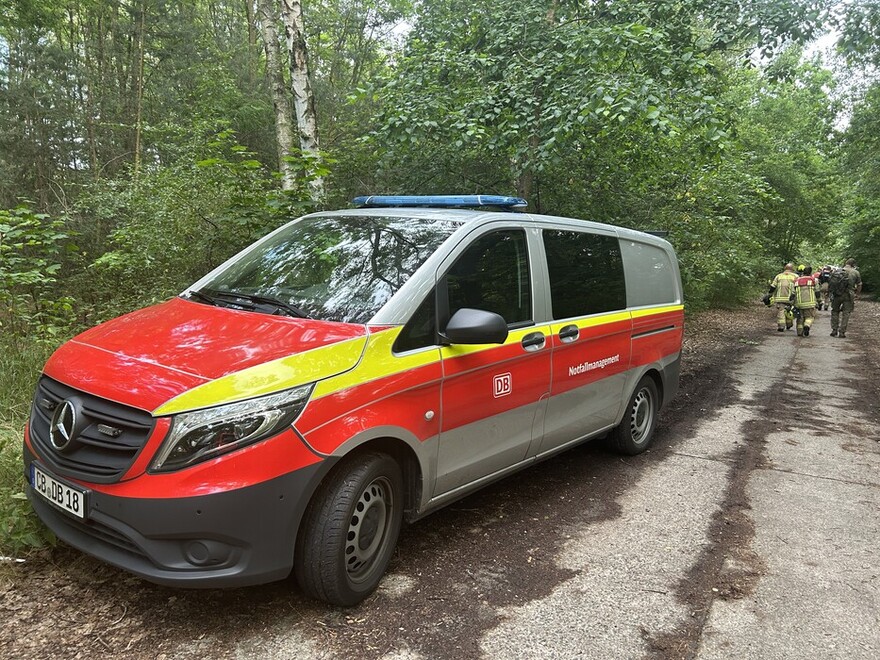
(349,371)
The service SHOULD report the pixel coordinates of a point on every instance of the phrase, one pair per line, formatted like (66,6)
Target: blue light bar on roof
(441,201)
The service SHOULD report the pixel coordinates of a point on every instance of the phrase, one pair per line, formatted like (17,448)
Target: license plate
(69,498)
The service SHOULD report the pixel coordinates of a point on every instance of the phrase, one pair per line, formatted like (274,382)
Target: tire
(350,530)
(636,431)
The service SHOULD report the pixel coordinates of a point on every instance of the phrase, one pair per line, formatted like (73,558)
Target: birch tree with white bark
(267,17)
(300,84)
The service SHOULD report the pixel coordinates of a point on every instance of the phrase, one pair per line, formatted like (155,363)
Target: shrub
(175,221)
(32,249)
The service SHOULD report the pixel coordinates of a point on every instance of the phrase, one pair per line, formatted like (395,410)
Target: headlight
(204,434)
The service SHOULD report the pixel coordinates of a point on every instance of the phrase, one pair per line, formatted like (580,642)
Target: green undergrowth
(21,532)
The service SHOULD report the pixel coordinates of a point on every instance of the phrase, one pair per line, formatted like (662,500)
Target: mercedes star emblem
(63,425)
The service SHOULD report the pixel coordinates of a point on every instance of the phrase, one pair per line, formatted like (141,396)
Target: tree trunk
(140,91)
(527,180)
(280,101)
(303,99)
(253,56)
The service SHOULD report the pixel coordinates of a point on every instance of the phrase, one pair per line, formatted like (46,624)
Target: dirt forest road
(750,530)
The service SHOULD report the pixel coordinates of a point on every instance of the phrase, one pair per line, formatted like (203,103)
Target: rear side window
(586,273)
(651,273)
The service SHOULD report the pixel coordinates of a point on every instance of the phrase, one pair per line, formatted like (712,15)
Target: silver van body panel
(464,458)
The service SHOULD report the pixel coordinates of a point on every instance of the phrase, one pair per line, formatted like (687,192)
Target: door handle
(534,341)
(569,333)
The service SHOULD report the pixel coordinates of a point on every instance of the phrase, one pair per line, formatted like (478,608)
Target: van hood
(199,355)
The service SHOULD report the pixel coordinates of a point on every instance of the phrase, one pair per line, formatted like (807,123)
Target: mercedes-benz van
(350,371)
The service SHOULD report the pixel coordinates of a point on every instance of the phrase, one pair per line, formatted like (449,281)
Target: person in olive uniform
(842,304)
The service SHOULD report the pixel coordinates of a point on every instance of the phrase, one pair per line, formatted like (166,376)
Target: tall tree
(37,100)
(787,126)
(860,234)
(523,81)
(300,82)
(94,88)
(268,18)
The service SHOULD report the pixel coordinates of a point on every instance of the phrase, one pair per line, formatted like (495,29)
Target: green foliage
(86,88)
(526,82)
(713,220)
(860,236)
(858,23)
(32,249)
(20,363)
(524,97)
(789,131)
(174,223)
(20,529)
(763,25)
(347,44)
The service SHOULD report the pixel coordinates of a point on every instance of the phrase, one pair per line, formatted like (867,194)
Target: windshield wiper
(201,296)
(249,301)
(280,305)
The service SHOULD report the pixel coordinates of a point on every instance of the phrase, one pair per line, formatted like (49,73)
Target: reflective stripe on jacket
(783,286)
(805,289)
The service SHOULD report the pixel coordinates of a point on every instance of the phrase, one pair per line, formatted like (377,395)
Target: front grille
(109,437)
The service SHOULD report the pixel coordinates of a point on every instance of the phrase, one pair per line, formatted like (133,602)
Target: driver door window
(493,275)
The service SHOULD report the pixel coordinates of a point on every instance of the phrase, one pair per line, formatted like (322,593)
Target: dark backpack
(839,282)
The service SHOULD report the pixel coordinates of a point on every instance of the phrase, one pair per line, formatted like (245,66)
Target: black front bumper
(234,538)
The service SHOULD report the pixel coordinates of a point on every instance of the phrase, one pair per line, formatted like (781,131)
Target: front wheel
(350,530)
(636,430)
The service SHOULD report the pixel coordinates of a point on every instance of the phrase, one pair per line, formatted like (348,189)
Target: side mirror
(475,326)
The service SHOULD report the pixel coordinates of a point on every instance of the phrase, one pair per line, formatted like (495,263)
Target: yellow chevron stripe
(593,321)
(361,360)
(639,313)
(379,361)
(284,373)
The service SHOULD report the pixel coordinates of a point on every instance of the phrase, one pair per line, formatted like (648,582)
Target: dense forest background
(142,142)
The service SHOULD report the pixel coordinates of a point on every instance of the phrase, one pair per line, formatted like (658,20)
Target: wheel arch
(407,450)
(634,378)
(409,464)
(655,375)
(665,375)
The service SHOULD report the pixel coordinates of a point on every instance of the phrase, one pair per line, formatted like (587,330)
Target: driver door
(493,395)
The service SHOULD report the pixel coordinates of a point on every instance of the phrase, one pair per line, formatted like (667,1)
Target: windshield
(334,268)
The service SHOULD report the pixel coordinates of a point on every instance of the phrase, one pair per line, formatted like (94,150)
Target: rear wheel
(636,430)
(350,530)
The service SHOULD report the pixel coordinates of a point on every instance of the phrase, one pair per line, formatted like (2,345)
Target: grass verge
(20,363)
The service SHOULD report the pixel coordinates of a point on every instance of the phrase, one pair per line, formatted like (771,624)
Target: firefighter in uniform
(825,301)
(781,289)
(806,290)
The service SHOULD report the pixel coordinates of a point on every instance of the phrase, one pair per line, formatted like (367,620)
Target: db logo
(502,385)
